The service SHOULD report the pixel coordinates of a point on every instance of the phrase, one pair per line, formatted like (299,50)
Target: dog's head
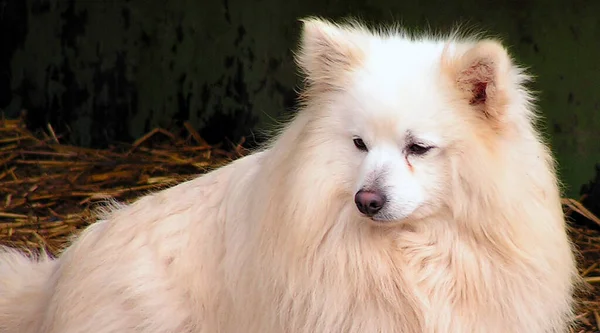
(410,119)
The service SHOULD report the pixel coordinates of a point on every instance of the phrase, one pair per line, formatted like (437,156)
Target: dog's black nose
(369,202)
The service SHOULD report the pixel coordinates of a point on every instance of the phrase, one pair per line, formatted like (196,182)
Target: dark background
(106,71)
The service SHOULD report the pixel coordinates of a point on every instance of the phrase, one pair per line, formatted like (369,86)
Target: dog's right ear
(327,52)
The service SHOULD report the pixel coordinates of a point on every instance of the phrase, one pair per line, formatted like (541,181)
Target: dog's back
(145,267)
(23,291)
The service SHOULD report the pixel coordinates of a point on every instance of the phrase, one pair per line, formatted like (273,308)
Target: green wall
(112,70)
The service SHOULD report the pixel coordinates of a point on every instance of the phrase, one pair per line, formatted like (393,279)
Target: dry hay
(48,190)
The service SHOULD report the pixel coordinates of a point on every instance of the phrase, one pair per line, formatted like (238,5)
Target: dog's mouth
(382,219)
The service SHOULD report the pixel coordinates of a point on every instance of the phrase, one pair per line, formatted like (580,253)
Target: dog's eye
(360,144)
(416,149)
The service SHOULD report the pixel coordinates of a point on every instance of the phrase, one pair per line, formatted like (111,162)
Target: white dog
(411,193)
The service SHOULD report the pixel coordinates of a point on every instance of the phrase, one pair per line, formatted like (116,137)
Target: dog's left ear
(482,77)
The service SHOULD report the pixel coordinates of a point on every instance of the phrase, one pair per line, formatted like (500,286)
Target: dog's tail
(22,290)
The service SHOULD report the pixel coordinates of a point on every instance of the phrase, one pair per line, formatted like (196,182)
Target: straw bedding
(48,190)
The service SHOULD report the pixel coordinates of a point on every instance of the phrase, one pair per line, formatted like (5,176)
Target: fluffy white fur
(471,237)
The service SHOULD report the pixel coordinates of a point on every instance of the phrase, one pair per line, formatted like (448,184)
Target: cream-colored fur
(471,238)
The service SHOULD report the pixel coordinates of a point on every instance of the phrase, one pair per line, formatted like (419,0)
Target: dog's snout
(369,202)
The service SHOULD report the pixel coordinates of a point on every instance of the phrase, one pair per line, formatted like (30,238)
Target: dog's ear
(327,52)
(482,77)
